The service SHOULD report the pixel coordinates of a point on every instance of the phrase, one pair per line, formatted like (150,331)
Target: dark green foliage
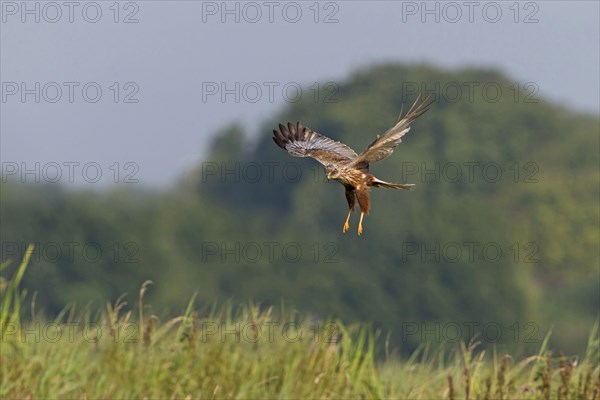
(543,214)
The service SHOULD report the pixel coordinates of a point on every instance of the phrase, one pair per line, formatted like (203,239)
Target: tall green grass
(255,352)
(10,306)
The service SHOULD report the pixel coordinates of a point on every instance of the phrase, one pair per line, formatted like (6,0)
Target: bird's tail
(387,185)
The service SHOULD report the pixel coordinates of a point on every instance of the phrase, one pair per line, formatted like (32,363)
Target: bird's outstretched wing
(300,141)
(384,145)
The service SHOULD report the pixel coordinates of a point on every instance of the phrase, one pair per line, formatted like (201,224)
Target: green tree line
(502,228)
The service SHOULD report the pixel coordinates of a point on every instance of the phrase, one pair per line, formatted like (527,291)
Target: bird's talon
(359,230)
(346,227)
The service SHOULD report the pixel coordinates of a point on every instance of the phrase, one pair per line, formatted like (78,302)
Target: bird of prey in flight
(343,164)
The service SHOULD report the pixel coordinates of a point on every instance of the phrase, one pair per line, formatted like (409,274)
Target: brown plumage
(343,164)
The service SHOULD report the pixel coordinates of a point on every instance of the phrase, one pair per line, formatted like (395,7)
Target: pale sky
(140,97)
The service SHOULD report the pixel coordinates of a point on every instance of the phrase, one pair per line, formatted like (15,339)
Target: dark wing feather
(384,145)
(300,141)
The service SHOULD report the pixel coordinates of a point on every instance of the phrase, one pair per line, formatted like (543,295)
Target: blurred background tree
(542,212)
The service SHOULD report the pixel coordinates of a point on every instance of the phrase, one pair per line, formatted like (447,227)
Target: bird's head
(331,172)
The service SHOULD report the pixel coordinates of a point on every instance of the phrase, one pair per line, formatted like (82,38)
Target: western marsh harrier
(343,164)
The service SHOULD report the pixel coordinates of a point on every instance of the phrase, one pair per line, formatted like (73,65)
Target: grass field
(253,352)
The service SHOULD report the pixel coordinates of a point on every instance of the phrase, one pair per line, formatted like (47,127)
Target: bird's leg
(351,199)
(347,225)
(362,214)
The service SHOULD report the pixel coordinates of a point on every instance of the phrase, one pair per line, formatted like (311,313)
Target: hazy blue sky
(172,56)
